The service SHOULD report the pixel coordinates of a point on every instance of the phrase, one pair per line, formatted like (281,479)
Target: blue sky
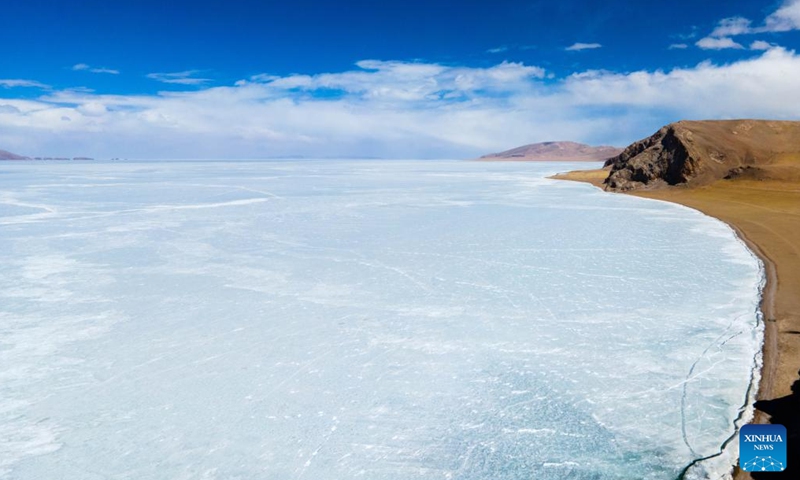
(148,79)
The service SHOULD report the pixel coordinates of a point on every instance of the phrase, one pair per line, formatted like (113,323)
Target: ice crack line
(690,376)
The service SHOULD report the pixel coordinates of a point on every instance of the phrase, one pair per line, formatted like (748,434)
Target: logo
(762,448)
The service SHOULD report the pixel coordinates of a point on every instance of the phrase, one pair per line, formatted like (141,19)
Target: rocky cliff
(695,153)
(556,151)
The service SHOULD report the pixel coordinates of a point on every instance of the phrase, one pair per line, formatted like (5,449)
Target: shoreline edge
(770,351)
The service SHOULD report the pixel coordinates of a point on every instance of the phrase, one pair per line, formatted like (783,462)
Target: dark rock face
(700,152)
(739,172)
(661,158)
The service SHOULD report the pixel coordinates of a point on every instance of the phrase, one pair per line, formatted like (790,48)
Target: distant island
(6,155)
(555,152)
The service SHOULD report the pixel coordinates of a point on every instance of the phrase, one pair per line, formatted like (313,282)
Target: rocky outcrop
(556,152)
(695,153)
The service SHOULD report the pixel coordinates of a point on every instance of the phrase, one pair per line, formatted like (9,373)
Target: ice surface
(332,320)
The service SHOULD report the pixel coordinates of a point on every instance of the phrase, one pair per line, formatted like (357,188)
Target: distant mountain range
(556,152)
(6,155)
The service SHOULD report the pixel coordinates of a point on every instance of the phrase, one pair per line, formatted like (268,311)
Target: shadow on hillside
(785,411)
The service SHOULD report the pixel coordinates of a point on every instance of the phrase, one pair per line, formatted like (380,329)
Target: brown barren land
(555,152)
(765,212)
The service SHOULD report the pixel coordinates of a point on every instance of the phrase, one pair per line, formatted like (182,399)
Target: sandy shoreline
(766,216)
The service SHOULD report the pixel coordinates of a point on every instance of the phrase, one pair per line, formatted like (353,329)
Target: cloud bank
(786,18)
(398,109)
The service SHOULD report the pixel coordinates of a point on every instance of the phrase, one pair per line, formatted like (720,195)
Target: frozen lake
(331,320)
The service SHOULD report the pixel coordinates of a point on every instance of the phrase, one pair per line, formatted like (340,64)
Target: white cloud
(757,87)
(720,37)
(499,49)
(687,36)
(400,109)
(262,77)
(760,45)
(712,43)
(390,81)
(92,109)
(728,27)
(678,46)
(84,67)
(786,18)
(576,47)
(105,70)
(180,78)
(16,82)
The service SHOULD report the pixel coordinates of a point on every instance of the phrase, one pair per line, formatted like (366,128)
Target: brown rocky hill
(4,155)
(696,153)
(556,151)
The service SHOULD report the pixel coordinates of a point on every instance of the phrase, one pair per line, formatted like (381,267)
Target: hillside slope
(556,151)
(698,153)
(4,155)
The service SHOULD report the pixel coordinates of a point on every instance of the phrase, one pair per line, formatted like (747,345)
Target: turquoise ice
(363,319)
